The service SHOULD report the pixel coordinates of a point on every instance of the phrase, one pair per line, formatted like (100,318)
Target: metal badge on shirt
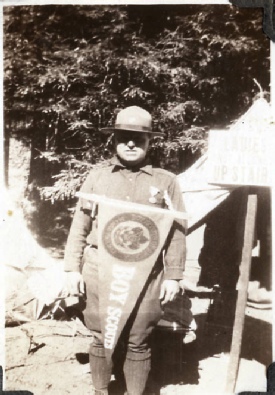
(159,197)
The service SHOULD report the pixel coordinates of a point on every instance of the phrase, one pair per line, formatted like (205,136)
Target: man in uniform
(130,178)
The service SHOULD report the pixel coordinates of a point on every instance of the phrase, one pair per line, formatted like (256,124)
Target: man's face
(131,147)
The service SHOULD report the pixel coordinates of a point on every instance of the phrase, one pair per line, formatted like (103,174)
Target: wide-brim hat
(134,119)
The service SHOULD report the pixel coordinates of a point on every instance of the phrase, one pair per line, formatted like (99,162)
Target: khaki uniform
(146,186)
(117,182)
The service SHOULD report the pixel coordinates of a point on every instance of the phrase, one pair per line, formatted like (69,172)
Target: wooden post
(236,343)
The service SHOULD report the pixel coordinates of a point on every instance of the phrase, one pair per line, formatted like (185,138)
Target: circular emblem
(130,237)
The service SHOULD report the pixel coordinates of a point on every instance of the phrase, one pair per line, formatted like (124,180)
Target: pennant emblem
(131,237)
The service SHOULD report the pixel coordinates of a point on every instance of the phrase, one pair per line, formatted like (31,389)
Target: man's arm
(175,254)
(76,243)
(80,228)
(175,251)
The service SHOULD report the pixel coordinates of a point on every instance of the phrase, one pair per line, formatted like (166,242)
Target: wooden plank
(236,343)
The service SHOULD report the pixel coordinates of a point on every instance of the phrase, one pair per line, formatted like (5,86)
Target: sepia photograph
(136,229)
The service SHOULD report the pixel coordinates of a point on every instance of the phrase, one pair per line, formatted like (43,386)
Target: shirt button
(128,197)
(130,179)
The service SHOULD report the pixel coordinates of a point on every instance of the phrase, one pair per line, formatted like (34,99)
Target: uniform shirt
(145,185)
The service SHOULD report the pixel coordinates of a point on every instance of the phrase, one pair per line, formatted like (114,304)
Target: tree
(69,69)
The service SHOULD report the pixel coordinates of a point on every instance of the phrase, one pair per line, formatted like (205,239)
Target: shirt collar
(117,165)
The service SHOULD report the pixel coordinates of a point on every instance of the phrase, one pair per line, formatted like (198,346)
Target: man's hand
(169,290)
(74,284)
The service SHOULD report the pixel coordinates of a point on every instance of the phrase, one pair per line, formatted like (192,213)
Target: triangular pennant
(131,238)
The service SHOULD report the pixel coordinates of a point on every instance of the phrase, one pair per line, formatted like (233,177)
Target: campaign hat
(134,119)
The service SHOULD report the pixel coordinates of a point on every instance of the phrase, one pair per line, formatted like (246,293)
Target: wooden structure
(233,160)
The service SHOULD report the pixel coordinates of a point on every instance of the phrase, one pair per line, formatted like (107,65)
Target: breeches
(144,317)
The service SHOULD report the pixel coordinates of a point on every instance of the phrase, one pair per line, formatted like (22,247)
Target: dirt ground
(52,356)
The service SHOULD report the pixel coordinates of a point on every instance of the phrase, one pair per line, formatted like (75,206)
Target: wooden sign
(240,157)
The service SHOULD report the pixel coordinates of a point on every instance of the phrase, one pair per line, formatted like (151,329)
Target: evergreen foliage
(70,68)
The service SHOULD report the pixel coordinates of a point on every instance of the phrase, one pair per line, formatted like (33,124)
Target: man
(130,178)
